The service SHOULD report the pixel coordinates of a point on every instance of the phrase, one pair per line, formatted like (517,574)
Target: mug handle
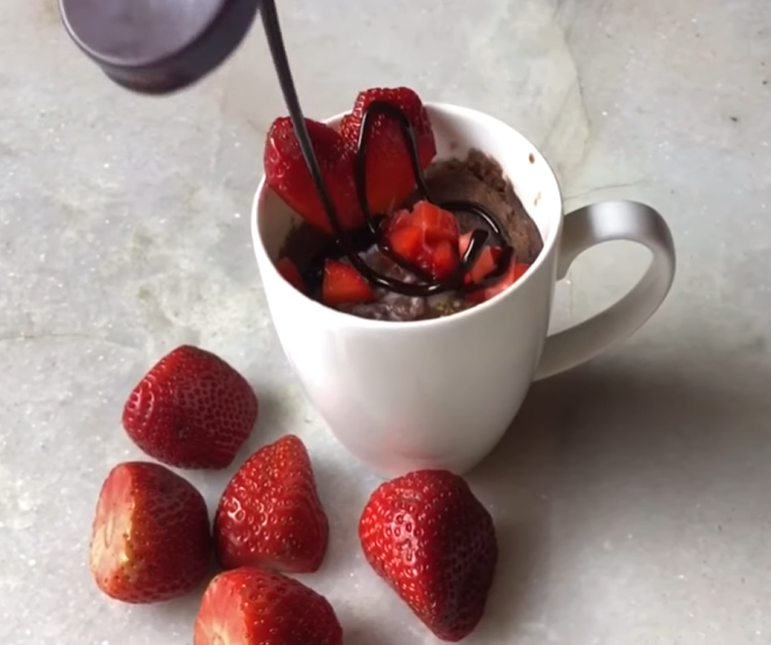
(587,227)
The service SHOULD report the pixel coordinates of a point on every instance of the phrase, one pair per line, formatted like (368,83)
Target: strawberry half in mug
(390,178)
(287,173)
(434,543)
(191,410)
(389,171)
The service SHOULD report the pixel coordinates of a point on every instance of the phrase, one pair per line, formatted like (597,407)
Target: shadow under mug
(441,393)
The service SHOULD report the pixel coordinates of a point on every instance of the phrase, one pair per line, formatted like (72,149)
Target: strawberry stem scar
(427,285)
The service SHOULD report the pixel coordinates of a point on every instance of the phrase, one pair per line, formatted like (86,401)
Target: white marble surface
(631,495)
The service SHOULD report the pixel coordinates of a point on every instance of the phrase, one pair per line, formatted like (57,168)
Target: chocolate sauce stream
(427,285)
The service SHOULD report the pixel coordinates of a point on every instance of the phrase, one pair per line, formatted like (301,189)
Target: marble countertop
(631,494)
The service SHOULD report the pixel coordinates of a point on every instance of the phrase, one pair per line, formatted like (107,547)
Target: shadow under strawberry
(520,547)
(343,504)
(514,484)
(360,632)
(271,424)
(178,613)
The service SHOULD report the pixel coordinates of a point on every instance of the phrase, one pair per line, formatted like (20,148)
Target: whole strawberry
(434,543)
(191,410)
(390,177)
(270,514)
(250,606)
(287,173)
(151,539)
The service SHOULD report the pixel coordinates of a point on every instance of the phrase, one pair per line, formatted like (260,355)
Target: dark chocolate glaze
(160,46)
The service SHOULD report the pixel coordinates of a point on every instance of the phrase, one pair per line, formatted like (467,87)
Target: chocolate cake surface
(479,178)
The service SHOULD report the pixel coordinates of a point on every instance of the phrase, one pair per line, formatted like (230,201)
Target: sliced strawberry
(287,173)
(150,538)
(344,285)
(515,272)
(426,237)
(390,178)
(250,606)
(191,410)
(270,514)
(291,274)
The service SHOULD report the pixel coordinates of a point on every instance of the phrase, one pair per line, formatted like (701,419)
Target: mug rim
(455,112)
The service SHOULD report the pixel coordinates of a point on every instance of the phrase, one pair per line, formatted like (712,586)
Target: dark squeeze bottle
(158,46)
(162,46)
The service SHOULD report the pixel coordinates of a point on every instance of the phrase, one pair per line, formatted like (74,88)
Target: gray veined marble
(632,495)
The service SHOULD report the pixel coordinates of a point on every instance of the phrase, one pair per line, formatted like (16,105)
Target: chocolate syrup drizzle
(349,246)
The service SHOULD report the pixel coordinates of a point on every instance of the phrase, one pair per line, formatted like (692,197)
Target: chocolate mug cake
(415,238)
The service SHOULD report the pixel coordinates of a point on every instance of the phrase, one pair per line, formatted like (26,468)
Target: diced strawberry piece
(486,263)
(400,219)
(515,272)
(436,223)
(287,173)
(444,259)
(344,285)
(291,274)
(390,179)
(406,241)
(463,242)
(426,238)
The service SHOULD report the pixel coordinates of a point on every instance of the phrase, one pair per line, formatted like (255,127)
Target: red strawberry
(191,410)
(464,241)
(485,264)
(270,515)
(150,539)
(427,238)
(390,179)
(287,173)
(344,285)
(434,543)
(444,260)
(291,274)
(435,223)
(515,272)
(249,606)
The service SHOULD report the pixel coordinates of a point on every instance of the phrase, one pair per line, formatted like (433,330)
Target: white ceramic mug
(441,393)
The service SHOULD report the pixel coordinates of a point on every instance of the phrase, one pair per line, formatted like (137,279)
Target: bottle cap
(158,46)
